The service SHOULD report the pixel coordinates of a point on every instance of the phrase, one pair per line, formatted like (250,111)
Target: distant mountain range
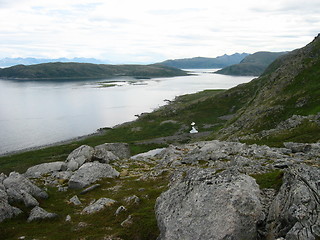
(252,65)
(202,62)
(8,62)
(73,70)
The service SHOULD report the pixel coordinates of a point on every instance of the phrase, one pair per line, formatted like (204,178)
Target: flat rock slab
(205,205)
(89,173)
(44,168)
(98,205)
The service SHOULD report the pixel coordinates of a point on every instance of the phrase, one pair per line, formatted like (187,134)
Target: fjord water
(36,113)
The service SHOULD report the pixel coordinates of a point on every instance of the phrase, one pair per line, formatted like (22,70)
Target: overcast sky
(146,31)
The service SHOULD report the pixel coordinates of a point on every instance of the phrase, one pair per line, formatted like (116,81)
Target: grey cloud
(175,11)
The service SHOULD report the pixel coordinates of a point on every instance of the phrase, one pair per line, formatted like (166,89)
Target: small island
(59,70)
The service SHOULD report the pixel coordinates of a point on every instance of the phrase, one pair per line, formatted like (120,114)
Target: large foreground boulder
(205,205)
(295,212)
(90,172)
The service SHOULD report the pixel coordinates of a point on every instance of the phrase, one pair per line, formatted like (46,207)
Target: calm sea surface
(38,113)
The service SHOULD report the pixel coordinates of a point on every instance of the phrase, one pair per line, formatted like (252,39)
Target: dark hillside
(60,70)
(202,62)
(252,65)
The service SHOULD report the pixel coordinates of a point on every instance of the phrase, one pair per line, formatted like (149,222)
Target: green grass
(269,180)
(100,224)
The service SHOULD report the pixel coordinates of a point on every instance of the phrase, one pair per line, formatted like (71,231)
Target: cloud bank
(142,31)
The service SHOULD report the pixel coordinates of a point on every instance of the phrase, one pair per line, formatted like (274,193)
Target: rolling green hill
(60,70)
(252,65)
(201,62)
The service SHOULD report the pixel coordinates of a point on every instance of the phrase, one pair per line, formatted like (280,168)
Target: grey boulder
(19,187)
(205,205)
(98,205)
(45,168)
(38,213)
(295,212)
(89,173)
(79,156)
(121,150)
(6,210)
(103,155)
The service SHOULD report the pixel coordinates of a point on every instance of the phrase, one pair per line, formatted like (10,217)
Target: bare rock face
(90,172)
(38,213)
(121,150)
(295,212)
(44,168)
(205,205)
(79,156)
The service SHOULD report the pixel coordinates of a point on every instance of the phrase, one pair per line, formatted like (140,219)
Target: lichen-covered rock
(205,205)
(90,172)
(121,150)
(44,168)
(16,185)
(98,205)
(38,213)
(79,156)
(295,212)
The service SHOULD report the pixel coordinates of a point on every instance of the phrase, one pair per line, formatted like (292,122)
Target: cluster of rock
(211,193)
(83,166)
(213,196)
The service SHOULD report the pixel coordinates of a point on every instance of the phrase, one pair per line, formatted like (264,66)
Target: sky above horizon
(142,31)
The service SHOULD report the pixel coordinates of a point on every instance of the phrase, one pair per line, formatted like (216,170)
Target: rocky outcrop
(79,156)
(295,212)
(206,205)
(44,168)
(98,205)
(38,213)
(89,173)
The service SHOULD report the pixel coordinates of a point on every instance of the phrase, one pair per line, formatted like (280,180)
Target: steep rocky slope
(290,86)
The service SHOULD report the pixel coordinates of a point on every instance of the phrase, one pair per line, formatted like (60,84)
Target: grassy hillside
(261,111)
(289,86)
(60,70)
(252,65)
(201,62)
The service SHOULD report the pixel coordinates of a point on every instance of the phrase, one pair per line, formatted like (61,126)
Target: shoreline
(59,143)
